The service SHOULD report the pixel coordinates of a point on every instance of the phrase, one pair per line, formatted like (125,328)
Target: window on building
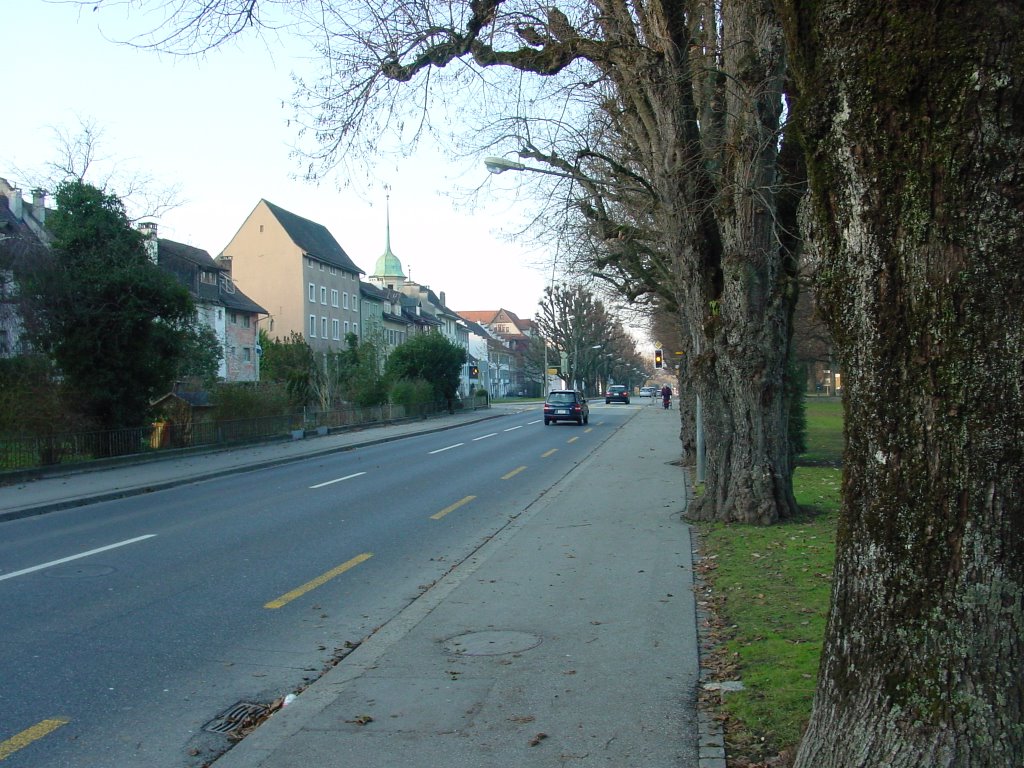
(312,292)
(323,327)
(312,326)
(323,294)
(309,262)
(246,354)
(336,328)
(246,321)
(234,318)
(208,277)
(355,328)
(346,327)
(321,266)
(334,271)
(334,297)
(344,300)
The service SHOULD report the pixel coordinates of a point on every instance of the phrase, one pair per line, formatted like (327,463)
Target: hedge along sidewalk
(767,591)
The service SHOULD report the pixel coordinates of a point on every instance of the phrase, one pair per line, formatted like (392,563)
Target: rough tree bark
(745,325)
(913,116)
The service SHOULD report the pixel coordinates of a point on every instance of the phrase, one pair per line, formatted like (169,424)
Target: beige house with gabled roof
(296,269)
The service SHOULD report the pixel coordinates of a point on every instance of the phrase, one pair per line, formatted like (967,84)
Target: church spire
(388,265)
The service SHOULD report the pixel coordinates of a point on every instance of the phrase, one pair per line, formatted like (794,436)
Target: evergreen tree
(113,322)
(432,358)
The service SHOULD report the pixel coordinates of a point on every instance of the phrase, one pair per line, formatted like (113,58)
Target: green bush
(251,400)
(412,392)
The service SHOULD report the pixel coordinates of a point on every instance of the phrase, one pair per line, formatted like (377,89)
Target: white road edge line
(442,450)
(76,557)
(338,480)
(484,437)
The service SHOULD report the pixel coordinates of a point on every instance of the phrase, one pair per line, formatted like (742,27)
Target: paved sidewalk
(568,639)
(70,486)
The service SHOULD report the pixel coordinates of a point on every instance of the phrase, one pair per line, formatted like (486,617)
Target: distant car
(566,405)
(618,393)
(648,391)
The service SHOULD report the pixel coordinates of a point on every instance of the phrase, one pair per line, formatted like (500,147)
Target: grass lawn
(770,589)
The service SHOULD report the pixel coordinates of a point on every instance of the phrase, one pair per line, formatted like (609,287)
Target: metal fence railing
(27,452)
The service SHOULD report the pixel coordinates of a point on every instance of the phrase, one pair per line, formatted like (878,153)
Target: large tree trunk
(914,122)
(743,322)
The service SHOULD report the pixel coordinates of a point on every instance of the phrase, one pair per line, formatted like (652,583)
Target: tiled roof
(189,253)
(233,298)
(314,239)
(482,316)
(371,291)
(184,260)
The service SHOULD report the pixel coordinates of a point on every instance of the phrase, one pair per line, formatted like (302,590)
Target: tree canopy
(429,357)
(117,326)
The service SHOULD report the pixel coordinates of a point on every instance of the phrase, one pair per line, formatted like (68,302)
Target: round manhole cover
(491,643)
(79,571)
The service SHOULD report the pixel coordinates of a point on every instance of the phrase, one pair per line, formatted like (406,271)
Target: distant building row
(297,279)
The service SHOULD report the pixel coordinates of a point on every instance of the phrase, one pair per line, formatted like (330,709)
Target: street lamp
(497,165)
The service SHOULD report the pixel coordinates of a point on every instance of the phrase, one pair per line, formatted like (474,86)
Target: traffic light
(474,371)
(659,361)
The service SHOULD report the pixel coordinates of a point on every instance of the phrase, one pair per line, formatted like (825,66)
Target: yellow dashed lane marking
(513,473)
(452,508)
(26,737)
(318,581)
(548,453)
(572,440)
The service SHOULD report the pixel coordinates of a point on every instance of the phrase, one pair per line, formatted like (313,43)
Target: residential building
(220,305)
(22,233)
(383,321)
(514,333)
(297,270)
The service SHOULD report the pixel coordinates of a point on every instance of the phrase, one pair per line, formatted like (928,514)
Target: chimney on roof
(17,203)
(148,230)
(443,302)
(39,205)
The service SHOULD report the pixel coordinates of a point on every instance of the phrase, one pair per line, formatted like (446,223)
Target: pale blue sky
(218,128)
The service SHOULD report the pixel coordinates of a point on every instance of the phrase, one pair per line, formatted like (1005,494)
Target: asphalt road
(243,588)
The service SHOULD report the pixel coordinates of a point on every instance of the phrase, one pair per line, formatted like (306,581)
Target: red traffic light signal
(659,361)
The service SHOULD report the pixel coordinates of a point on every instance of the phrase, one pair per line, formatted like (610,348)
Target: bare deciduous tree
(78,156)
(681,180)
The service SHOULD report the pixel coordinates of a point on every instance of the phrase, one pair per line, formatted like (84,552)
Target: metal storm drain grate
(236,717)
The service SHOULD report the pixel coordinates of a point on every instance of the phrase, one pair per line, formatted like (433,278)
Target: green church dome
(388,264)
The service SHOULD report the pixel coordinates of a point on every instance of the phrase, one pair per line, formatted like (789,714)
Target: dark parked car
(617,393)
(566,405)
